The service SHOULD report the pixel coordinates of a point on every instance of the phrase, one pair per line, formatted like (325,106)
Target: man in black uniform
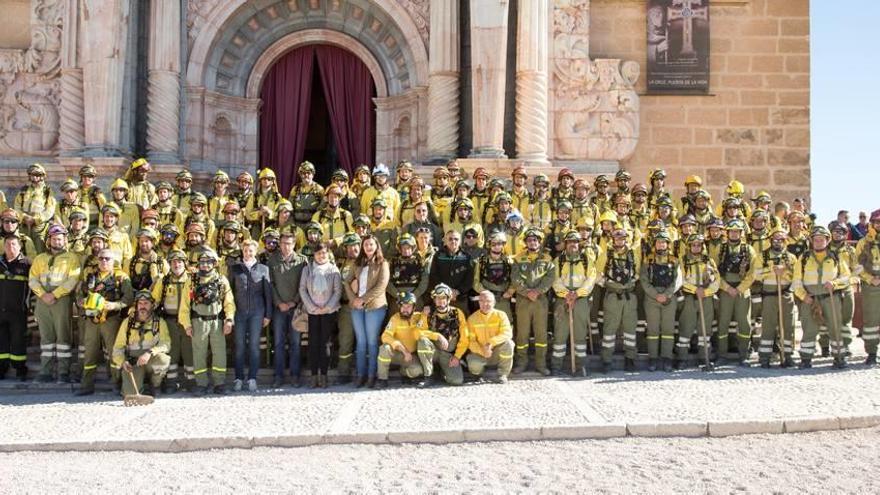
(14,293)
(455,268)
(408,274)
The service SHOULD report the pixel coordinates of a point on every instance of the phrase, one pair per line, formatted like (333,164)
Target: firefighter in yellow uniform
(447,338)
(490,339)
(520,196)
(129,217)
(533,275)
(141,347)
(400,341)
(775,273)
(441,194)
(71,201)
(102,295)
(618,270)
(305,196)
(869,258)
(336,221)
(168,294)
(661,279)
(575,279)
(141,192)
(219,196)
(820,278)
(701,283)
(119,240)
(206,313)
(736,263)
(90,193)
(52,278)
(36,204)
(540,213)
(842,249)
(381,189)
(260,208)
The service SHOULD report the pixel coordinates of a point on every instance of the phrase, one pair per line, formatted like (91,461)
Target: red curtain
(349,90)
(284,120)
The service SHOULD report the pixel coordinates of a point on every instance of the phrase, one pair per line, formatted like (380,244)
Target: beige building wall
(756,125)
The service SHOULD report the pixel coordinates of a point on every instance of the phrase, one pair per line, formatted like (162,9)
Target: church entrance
(317,105)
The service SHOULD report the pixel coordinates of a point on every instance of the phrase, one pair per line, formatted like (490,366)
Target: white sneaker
(236,385)
(252,385)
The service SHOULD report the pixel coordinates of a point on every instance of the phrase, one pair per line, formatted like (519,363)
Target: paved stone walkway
(687,403)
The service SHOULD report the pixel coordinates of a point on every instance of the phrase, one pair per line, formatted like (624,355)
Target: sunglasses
(105,258)
(10,221)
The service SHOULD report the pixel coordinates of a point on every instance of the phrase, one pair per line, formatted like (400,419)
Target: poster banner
(678,46)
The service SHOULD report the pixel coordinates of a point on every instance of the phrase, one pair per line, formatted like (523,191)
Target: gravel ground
(828,462)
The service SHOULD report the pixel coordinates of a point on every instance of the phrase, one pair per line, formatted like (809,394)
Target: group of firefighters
(482,270)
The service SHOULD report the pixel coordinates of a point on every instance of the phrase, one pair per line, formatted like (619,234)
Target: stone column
(71,132)
(104,51)
(443,81)
(488,67)
(163,81)
(532,41)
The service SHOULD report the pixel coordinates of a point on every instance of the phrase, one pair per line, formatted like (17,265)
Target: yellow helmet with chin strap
(93,307)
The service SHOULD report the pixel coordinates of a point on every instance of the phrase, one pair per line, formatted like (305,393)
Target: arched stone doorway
(238,42)
(317,105)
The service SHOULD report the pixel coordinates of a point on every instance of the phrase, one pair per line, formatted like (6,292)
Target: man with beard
(245,185)
(70,201)
(400,341)
(168,294)
(198,215)
(441,194)
(269,244)
(169,239)
(573,285)
(228,247)
(77,236)
(446,332)
(52,278)
(306,196)
(141,192)
(520,196)
(421,220)
(141,347)
(102,295)
(219,196)
(36,204)
(622,179)
(383,227)
(260,209)
(129,216)
(736,263)
(11,227)
(285,270)
(775,272)
(195,246)
(580,203)
(146,267)
(464,219)
(184,191)
(564,189)
(532,275)
(165,207)
(540,212)
(119,240)
(207,317)
(820,278)
(602,197)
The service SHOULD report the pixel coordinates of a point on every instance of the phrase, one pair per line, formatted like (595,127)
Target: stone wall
(756,125)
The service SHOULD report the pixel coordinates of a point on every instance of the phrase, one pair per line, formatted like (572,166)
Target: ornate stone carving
(30,88)
(197,12)
(419,10)
(595,105)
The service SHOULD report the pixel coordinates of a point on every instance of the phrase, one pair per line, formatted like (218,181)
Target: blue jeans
(247,331)
(282,331)
(367,325)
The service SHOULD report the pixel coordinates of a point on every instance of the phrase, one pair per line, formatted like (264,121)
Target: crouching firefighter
(447,337)
(141,347)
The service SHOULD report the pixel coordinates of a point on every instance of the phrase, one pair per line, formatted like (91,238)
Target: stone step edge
(690,429)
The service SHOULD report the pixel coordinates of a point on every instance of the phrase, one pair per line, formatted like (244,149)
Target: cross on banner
(687,11)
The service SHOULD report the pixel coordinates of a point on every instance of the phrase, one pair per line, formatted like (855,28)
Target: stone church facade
(494,83)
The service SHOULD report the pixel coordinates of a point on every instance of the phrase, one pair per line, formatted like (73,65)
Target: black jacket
(454,270)
(14,290)
(251,288)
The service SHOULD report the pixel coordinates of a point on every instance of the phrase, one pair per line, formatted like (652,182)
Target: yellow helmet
(266,173)
(585,222)
(140,162)
(735,188)
(94,305)
(608,216)
(119,184)
(694,179)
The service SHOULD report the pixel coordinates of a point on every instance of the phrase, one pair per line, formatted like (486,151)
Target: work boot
(805,364)
(64,378)
(84,391)
(605,368)
(872,360)
(680,364)
(220,389)
(361,381)
(322,380)
(558,372)
(21,374)
(582,372)
(826,351)
(277,383)
(544,371)
(117,388)
(169,388)
(502,379)
(518,369)
(314,382)
(840,363)
(765,363)
(425,382)
(44,378)
(343,379)
(381,384)
(720,360)
(788,362)
(371,382)
(295,382)
(667,365)
(629,364)
(199,391)
(744,363)
(652,364)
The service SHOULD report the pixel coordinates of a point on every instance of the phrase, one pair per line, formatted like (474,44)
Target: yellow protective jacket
(403,332)
(491,328)
(463,333)
(765,273)
(142,193)
(155,339)
(868,251)
(57,274)
(168,213)
(813,269)
(848,253)
(521,200)
(461,227)
(540,213)
(168,292)
(389,194)
(613,263)
(120,243)
(516,242)
(36,203)
(574,274)
(700,271)
(336,224)
(739,281)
